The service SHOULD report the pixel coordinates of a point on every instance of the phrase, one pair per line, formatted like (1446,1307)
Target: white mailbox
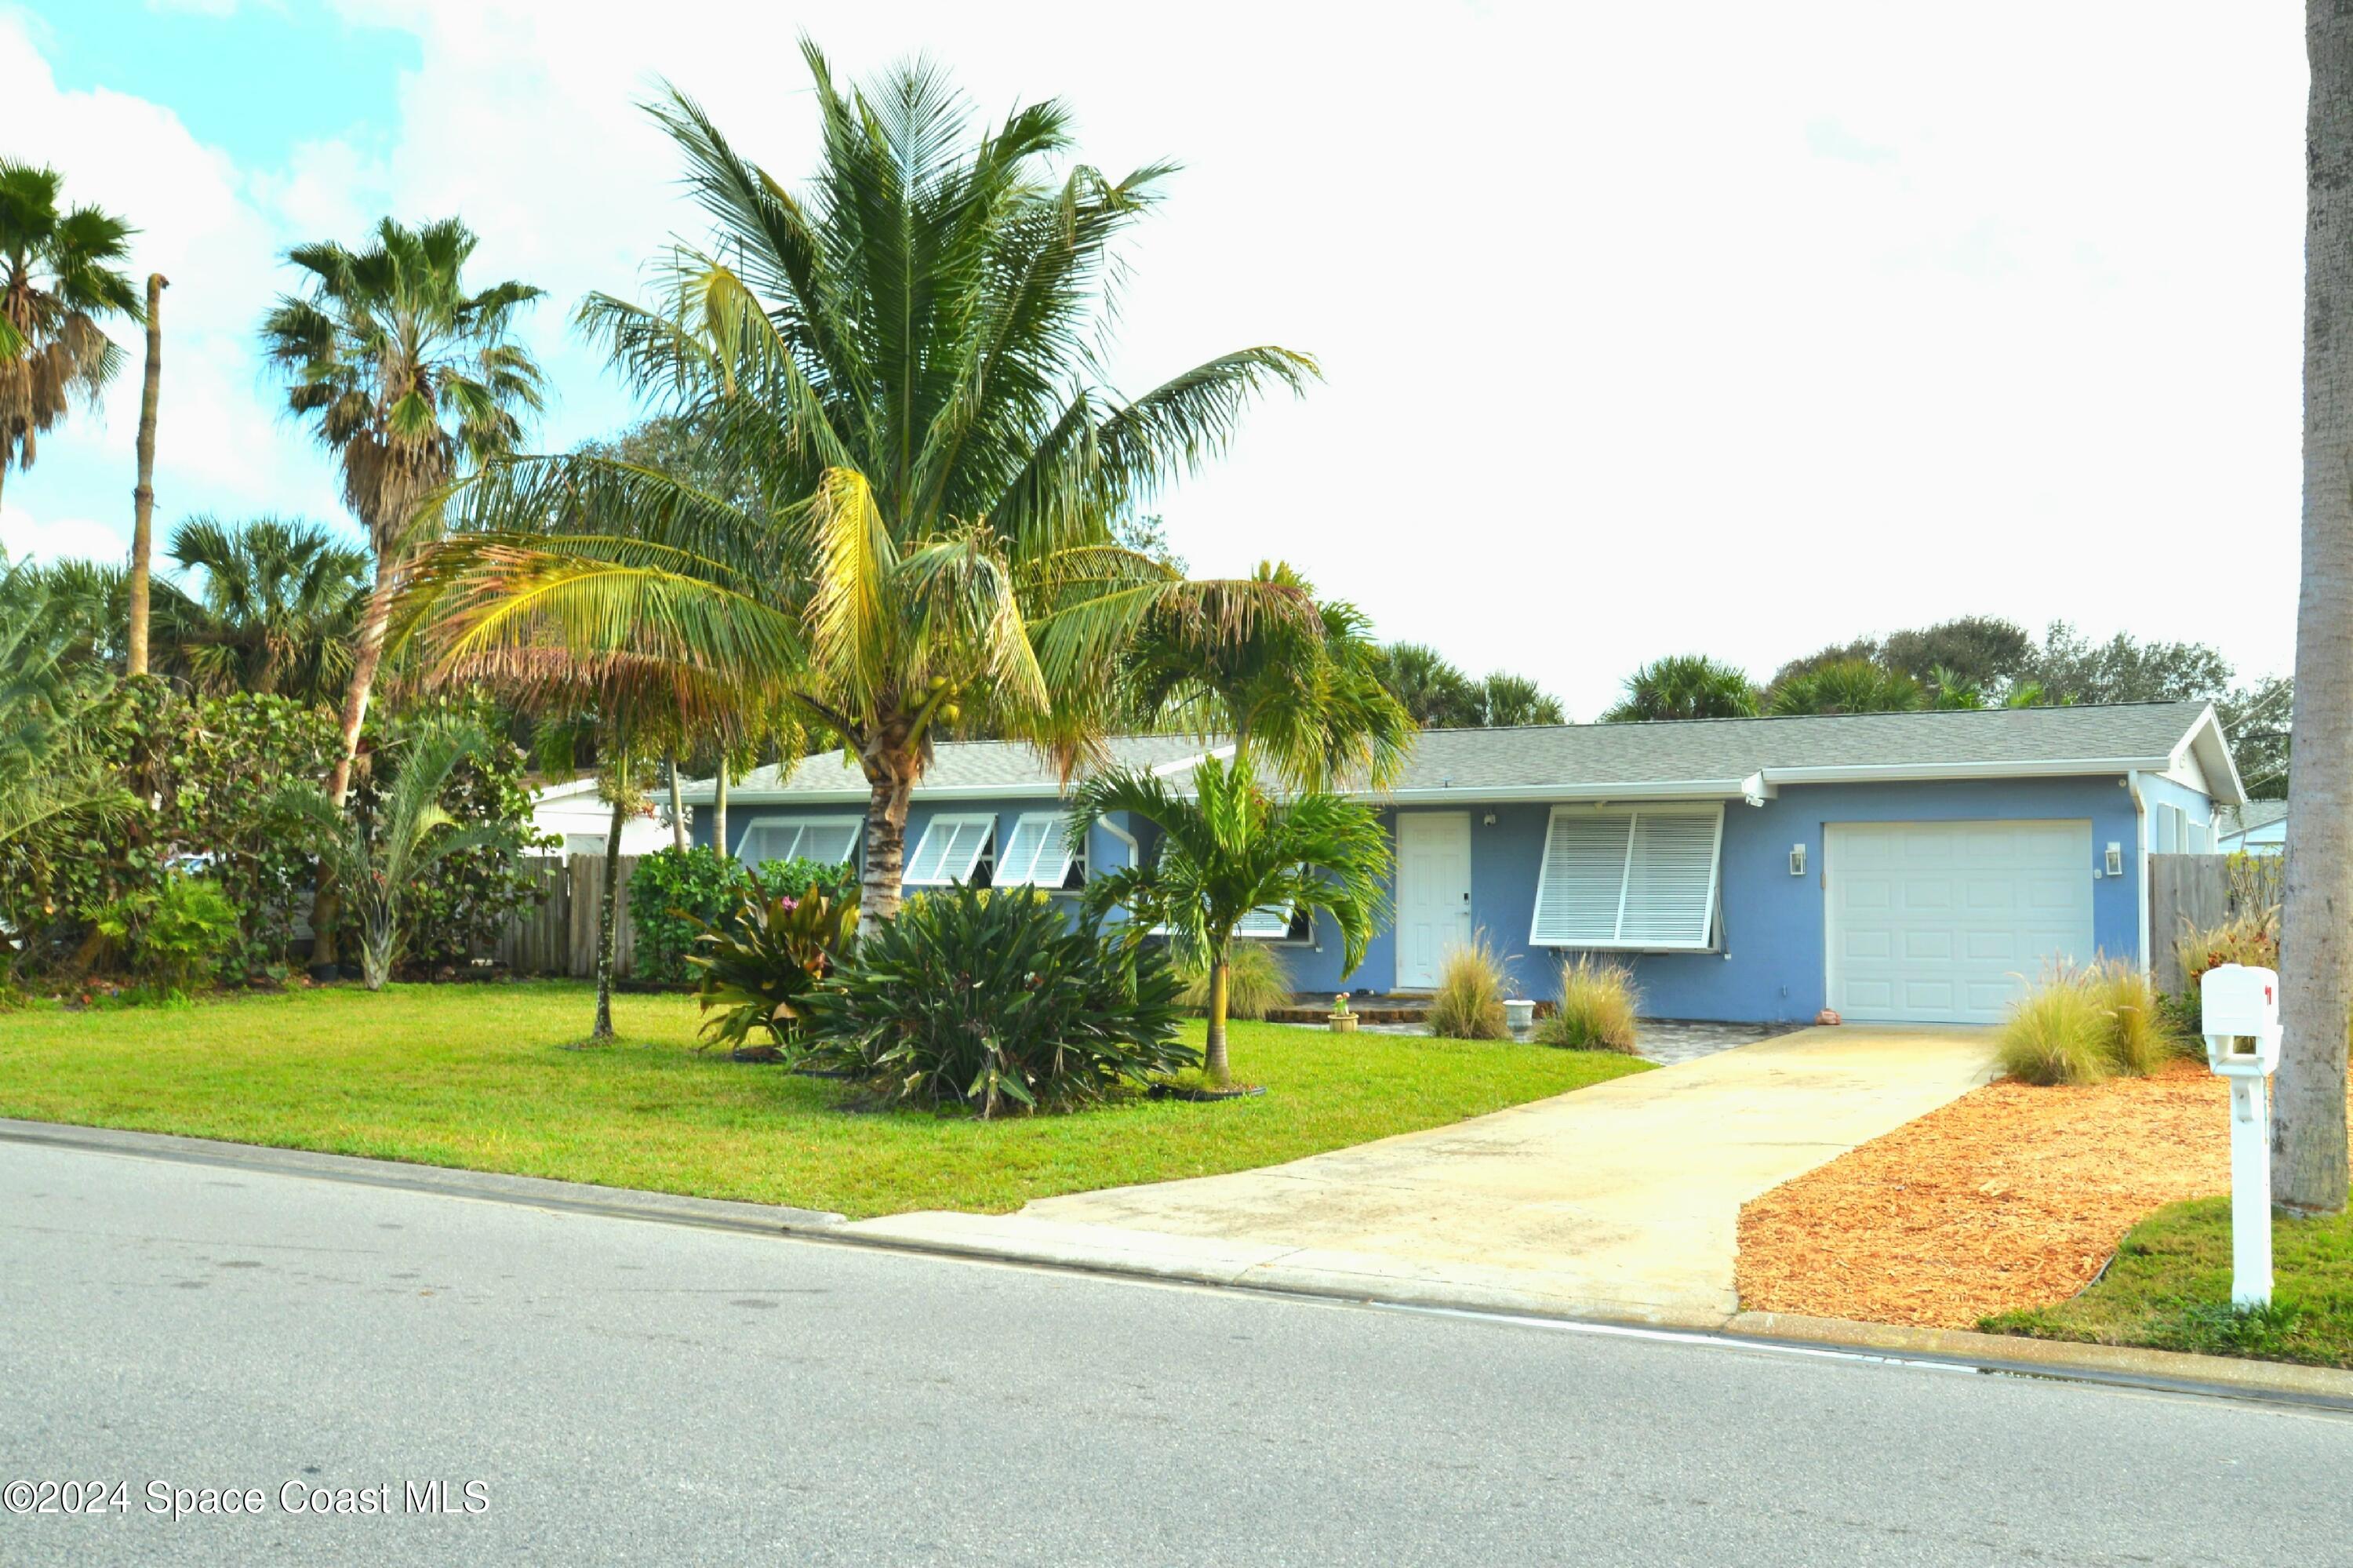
(2240,1022)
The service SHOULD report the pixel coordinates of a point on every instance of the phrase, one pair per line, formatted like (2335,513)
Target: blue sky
(1721,327)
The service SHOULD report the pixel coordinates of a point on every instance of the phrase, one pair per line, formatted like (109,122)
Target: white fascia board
(1897,772)
(1187,764)
(2213,748)
(1649,789)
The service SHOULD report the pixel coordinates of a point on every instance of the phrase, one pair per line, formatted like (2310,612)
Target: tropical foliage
(1437,694)
(676,894)
(1684,686)
(176,937)
(61,283)
(1849,687)
(997,1004)
(897,368)
(1228,848)
(760,965)
(274,608)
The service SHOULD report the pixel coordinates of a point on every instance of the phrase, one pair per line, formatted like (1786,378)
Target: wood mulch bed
(2010,1197)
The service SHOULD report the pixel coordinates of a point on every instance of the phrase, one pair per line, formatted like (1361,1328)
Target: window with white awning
(1640,877)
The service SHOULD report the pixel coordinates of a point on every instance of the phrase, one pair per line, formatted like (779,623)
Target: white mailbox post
(2241,1023)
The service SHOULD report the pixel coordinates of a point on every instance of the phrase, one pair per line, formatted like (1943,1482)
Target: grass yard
(2170,1290)
(480,1077)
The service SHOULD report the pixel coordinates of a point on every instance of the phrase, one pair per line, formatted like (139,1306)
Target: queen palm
(898,368)
(276,610)
(1684,686)
(60,281)
(1227,848)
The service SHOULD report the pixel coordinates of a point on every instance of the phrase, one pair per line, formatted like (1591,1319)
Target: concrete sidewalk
(1621,1200)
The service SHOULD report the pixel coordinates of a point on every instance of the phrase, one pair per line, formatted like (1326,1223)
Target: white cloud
(25,536)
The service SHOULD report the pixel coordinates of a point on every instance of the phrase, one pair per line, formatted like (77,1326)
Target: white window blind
(827,839)
(1037,854)
(1271,924)
(949,850)
(1643,878)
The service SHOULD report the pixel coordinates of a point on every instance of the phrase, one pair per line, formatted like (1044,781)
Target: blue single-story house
(1895,867)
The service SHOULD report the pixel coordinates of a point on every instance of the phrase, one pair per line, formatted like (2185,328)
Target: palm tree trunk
(1213,1060)
(719,811)
(886,843)
(2308,1131)
(607,929)
(142,499)
(677,806)
(366,659)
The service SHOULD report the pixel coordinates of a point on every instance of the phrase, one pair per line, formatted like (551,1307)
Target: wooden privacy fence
(557,935)
(2199,892)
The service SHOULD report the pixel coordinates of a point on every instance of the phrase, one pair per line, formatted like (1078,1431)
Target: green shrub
(996,1004)
(1257,981)
(2251,936)
(1597,1009)
(177,936)
(762,959)
(674,896)
(2078,1026)
(791,878)
(1469,1002)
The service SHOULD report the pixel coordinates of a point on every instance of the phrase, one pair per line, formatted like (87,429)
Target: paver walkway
(1621,1200)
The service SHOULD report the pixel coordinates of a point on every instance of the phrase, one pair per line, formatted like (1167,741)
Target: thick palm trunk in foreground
(142,499)
(607,928)
(2308,1132)
(886,840)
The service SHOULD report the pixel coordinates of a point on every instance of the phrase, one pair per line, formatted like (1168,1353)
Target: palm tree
(1296,685)
(49,774)
(1434,693)
(1684,686)
(1508,700)
(143,494)
(2308,1125)
(377,861)
(897,366)
(60,281)
(408,378)
(1226,849)
(276,612)
(1849,687)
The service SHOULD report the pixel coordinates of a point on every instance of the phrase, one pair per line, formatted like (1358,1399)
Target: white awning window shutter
(827,839)
(1037,853)
(1271,924)
(949,850)
(1638,878)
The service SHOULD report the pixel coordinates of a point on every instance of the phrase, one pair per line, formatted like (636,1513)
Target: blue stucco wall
(1771,965)
(2195,806)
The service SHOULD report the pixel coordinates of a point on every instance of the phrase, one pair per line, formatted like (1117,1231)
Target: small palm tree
(1226,849)
(48,775)
(377,861)
(60,281)
(1684,686)
(1850,686)
(277,611)
(899,367)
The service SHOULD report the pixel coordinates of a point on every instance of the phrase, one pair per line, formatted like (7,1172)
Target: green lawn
(2170,1290)
(478,1077)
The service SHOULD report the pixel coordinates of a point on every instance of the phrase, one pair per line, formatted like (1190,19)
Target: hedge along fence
(2198,893)
(556,934)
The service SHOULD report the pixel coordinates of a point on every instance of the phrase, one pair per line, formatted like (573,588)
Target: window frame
(985,821)
(1633,812)
(1055,842)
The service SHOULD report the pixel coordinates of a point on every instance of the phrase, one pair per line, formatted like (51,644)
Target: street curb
(533,1192)
(2163,1370)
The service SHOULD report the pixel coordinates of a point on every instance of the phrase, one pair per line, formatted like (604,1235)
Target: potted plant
(1342,1020)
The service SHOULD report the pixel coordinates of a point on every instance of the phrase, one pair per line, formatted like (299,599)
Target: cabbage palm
(1227,848)
(898,368)
(277,611)
(60,281)
(1684,686)
(48,775)
(1850,686)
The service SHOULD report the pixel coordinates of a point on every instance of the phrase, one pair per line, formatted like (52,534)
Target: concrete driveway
(1621,1201)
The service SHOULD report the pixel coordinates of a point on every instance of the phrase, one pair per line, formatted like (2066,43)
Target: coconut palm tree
(1684,686)
(1228,848)
(2308,1107)
(1849,687)
(1299,691)
(60,282)
(276,610)
(899,368)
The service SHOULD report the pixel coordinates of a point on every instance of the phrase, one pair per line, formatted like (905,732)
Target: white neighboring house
(573,813)
(2261,828)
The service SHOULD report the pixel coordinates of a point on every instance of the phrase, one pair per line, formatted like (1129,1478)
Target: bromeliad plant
(997,1004)
(762,963)
(1227,848)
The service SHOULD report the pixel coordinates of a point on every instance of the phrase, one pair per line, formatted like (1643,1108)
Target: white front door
(1433,916)
(1946,922)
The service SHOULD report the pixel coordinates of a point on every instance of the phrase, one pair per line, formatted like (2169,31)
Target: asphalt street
(620,1391)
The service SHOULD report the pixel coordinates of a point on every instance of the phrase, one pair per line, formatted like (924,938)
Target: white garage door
(1943,922)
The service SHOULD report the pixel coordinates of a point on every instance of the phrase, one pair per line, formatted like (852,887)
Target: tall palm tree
(408,379)
(1684,686)
(899,366)
(276,610)
(2308,1128)
(1228,848)
(1296,685)
(1507,700)
(1849,687)
(1436,693)
(60,281)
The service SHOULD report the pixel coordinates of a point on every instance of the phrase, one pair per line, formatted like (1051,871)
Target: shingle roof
(1716,755)
(2258,814)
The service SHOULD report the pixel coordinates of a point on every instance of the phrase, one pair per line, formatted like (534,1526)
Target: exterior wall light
(2115,858)
(1796,860)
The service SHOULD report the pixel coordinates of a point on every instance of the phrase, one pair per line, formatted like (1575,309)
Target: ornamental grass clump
(1469,1002)
(2141,1034)
(1256,982)
(2081,1025)
(1596,1007)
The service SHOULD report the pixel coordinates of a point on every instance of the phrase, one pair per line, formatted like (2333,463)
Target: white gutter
(2139,861)
(1134,850)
